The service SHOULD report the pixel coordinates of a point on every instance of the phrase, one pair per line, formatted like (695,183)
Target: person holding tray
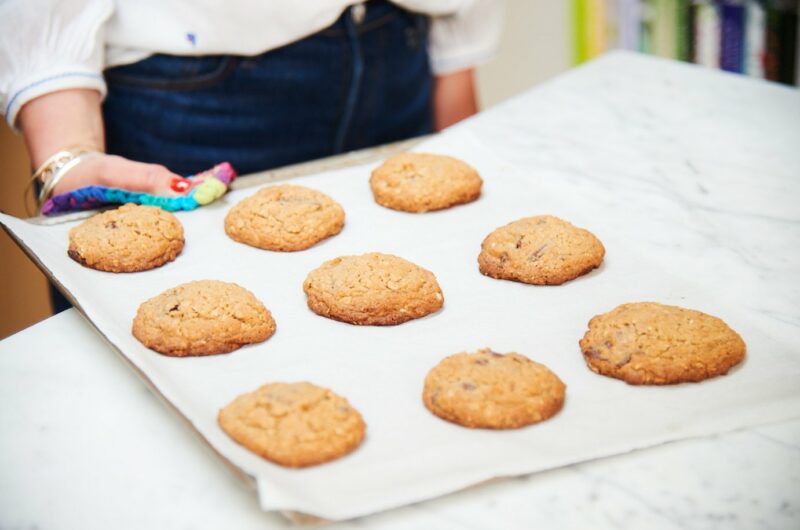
(131,95)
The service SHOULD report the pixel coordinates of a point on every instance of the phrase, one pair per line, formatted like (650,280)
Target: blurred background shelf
(752,37)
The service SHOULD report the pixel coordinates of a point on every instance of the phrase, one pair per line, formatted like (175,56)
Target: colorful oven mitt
(197,190)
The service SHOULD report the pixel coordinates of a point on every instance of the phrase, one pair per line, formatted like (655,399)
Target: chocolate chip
(77,257)
(174,308)
(503,258)
(594,354)
(519,241)
(111,224)
(468,386)
(536,254)
(625,360)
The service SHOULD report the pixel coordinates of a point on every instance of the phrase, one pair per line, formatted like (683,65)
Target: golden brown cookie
(204,317)
(647,343)
(490,390)
(285,217)
(421,182)
(540,250)
(293,424)
(374,289)
(131,238)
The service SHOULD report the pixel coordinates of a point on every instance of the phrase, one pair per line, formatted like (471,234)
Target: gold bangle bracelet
(56,166)
(60,171)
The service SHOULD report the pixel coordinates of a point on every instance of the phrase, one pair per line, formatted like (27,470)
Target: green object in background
(683,30)
(580,47)
(664,28)
(647,26)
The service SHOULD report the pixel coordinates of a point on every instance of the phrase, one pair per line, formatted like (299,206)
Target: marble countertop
(85,445)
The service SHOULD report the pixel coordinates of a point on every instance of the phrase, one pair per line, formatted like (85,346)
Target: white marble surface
(85,445)
(711,156)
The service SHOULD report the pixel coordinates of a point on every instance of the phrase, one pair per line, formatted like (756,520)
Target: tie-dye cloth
(197,190)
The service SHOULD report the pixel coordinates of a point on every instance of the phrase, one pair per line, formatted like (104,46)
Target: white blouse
(50,45)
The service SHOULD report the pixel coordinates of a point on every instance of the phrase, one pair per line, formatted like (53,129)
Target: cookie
(131,238)
(540,250)
(285,218)
(490,390)
(293,424)
(647,343)
(421,182)
(373,289)
(204,317)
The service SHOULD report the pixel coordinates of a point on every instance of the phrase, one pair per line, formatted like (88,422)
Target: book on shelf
(664,28)
(731,53)
(626,15)
(780,61)
(754,37)
(683,30)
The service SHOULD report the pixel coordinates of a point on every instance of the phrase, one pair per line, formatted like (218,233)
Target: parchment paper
(410,455)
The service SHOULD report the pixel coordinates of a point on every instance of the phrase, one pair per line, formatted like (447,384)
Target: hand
(117,172)
(73,118)
(454,98)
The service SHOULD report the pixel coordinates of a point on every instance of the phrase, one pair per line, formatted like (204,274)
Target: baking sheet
(408,454)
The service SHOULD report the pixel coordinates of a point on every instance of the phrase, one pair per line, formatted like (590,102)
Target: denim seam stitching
(227,66)
(355,86)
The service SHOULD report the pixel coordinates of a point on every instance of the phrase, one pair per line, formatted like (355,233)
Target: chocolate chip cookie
(373,289)
(647,343)
(492,391)
(131,238)
(422,182)
(204,317)
(293,424)
(285,218)
(540,250)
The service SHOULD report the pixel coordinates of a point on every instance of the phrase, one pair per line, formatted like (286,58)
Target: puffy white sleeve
(50,45)
(466,38)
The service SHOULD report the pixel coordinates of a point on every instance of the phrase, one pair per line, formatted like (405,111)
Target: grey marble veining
(678,145)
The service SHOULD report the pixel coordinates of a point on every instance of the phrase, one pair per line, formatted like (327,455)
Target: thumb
(117,172)
(138,176)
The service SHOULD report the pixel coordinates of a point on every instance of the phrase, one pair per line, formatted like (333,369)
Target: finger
(138,176)
(117,172)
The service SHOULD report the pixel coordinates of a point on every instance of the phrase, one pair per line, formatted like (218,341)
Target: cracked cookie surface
(293,424)
(490,390)
(422,182)
(372,289)
(284,218)
(648,343)
(131,238)
(204,317)
(540,250)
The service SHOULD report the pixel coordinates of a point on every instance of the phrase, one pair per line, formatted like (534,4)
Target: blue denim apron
(363,81)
